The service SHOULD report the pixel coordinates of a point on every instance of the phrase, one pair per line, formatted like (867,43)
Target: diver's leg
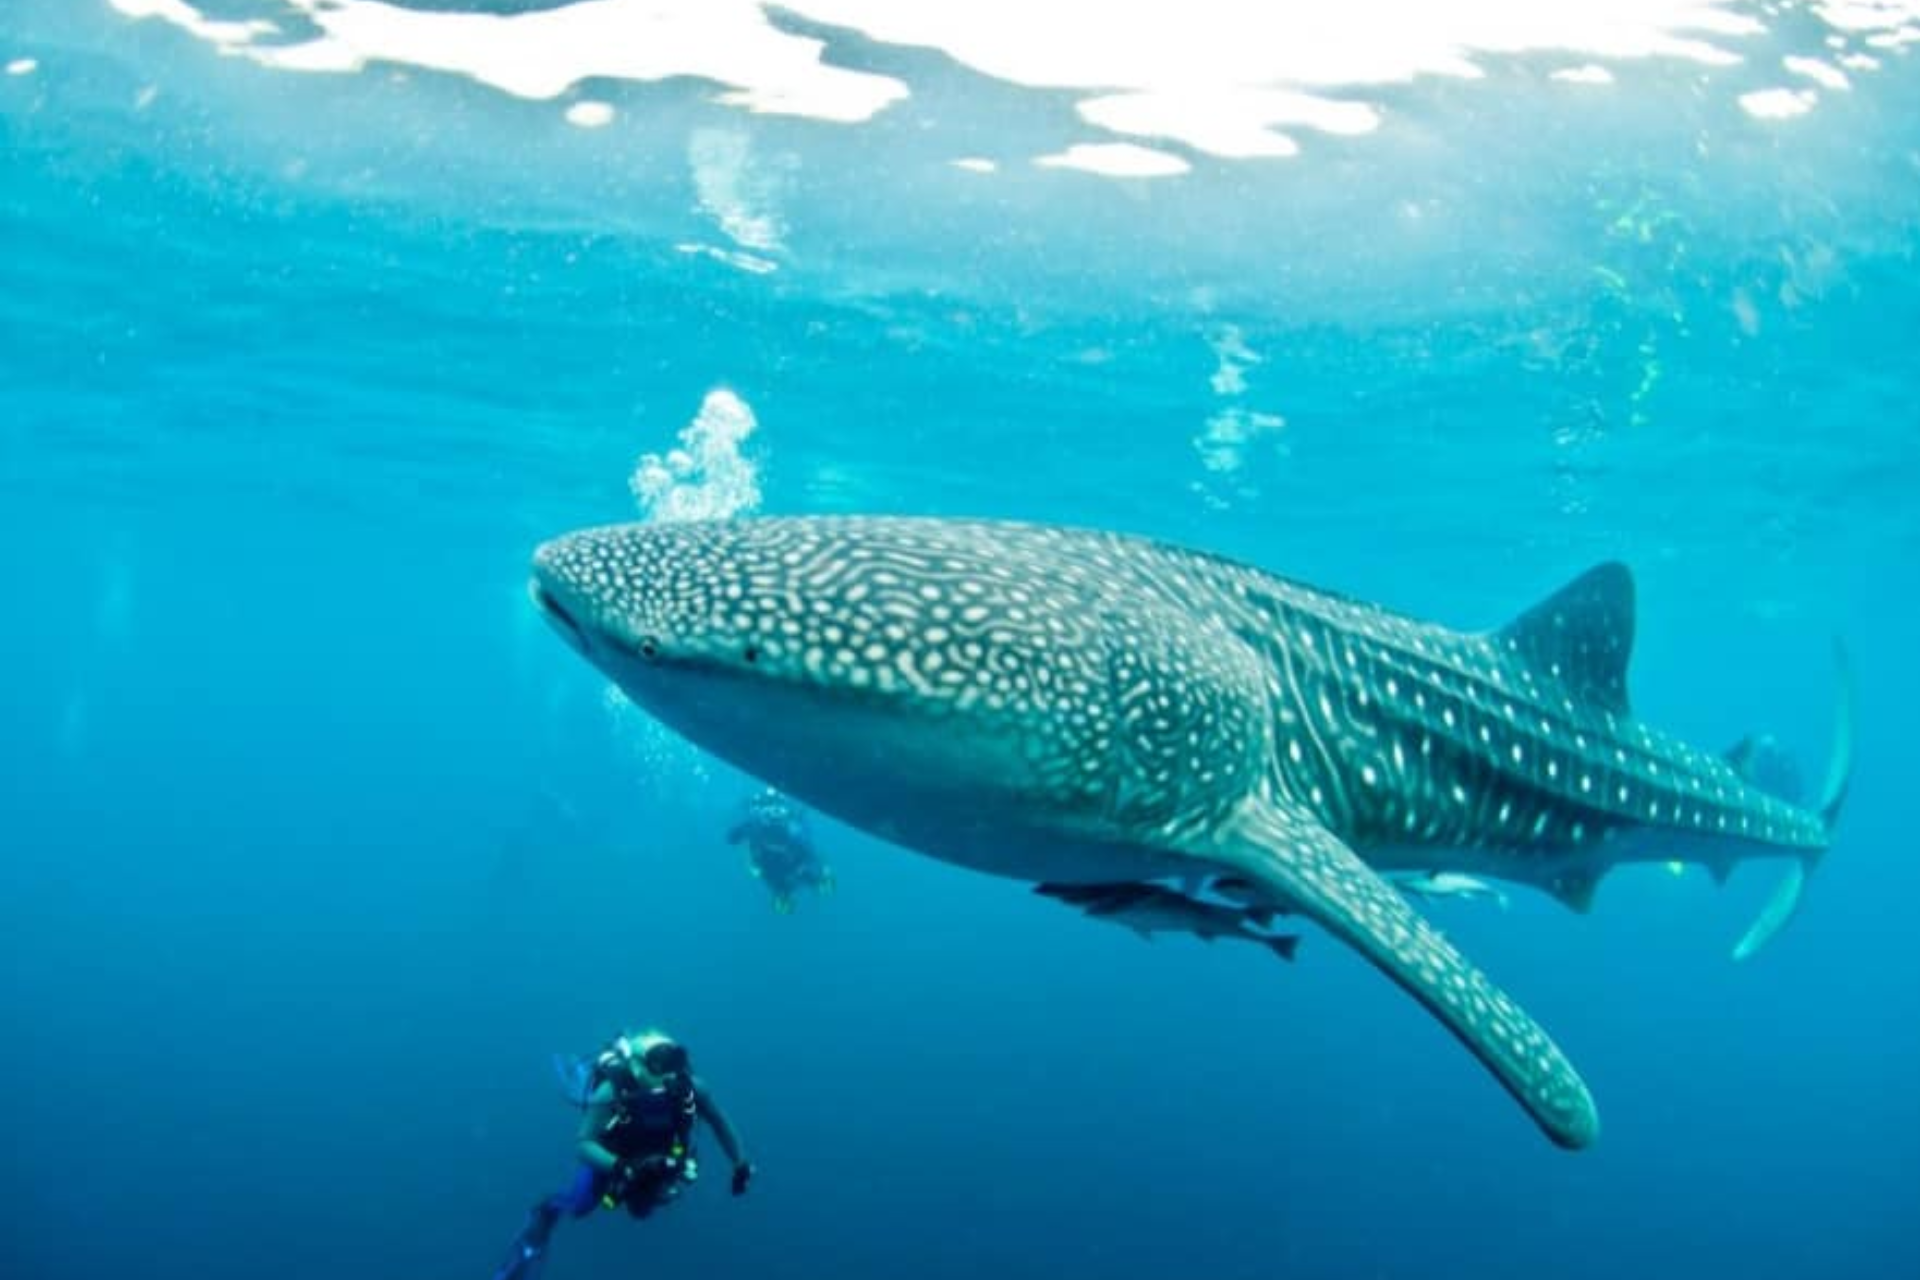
(529,1253)
(581,1195)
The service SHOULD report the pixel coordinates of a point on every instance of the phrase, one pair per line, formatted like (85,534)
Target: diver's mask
(665,1060)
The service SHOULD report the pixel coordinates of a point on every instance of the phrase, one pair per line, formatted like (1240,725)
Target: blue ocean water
(315,844)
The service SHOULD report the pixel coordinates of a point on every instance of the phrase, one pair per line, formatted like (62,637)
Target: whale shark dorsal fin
(1581,635)
(1294,859)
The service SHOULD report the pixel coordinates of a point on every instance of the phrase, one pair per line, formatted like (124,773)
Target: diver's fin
(1785,899)
(1576,888)
(528,1257)
(1296,859)
(1284,945)
(1581,635)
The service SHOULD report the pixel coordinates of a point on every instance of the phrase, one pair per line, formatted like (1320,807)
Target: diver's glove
(742,1175)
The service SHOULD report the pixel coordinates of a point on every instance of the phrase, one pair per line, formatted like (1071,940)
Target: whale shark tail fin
(1785,899)
(1840,761)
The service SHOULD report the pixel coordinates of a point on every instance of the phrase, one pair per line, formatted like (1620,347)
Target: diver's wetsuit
(647,1128)
(635,1144)
(780,847)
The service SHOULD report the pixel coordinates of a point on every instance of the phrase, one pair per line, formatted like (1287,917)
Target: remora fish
(1444,884)
(1073,706)
(1148,909)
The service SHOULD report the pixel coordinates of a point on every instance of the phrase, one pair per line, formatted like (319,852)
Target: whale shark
(1434,885)
(1072,706)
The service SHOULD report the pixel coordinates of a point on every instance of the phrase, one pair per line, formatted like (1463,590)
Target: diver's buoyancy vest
(650,1116)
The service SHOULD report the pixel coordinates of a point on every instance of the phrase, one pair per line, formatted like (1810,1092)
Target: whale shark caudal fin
(1298,862)
(1785,900)
(1840,762)
(1581,636)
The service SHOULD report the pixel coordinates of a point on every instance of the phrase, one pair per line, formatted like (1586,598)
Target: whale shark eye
(648,647)
(751,654)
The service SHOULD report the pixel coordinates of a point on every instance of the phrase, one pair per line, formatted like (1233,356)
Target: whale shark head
(837,656)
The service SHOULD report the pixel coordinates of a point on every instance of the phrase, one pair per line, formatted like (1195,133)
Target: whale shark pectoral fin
(1296,859)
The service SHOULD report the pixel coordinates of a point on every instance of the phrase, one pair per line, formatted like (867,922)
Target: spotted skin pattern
(1077,706)
(1309,866)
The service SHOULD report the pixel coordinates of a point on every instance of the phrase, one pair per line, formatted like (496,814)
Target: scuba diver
(638,1100)
(780,848)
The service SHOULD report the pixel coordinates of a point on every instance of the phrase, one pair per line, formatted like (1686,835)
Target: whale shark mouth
(556,613)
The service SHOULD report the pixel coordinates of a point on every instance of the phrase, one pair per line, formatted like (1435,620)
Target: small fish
(1148,909)
(1444,884)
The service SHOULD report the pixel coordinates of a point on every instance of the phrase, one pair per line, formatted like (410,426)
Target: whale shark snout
(574,585)
(631,597)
